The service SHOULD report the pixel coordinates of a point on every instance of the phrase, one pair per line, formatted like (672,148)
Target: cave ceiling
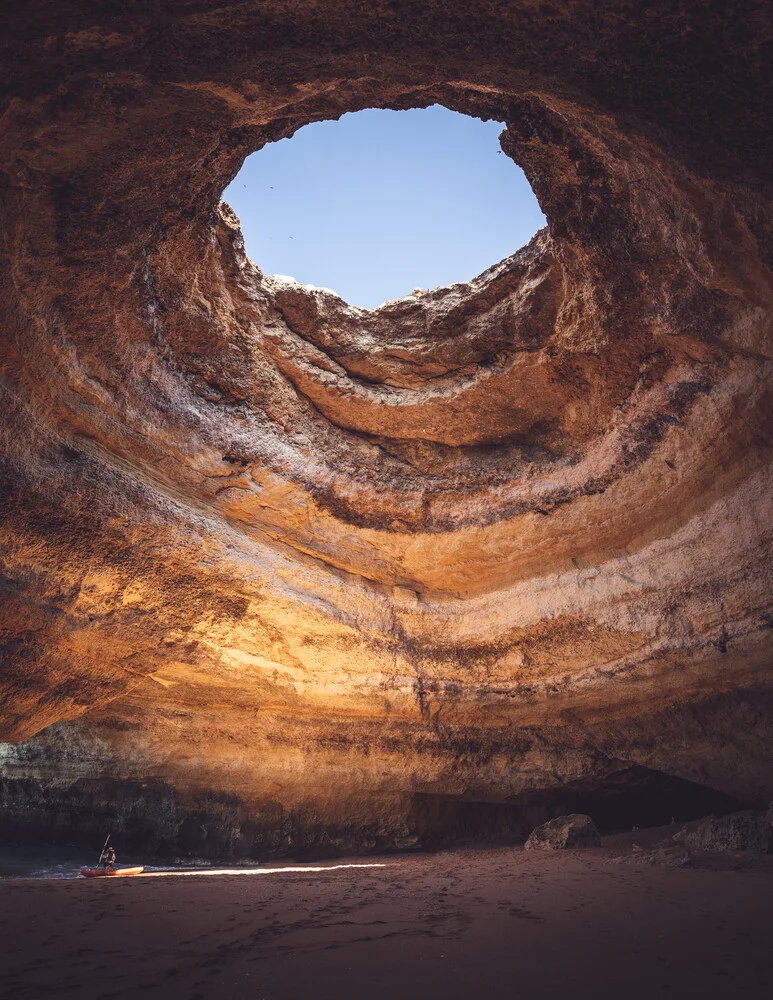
(500,536)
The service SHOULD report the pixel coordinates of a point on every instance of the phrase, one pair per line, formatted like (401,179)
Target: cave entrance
(379,203)
(634,797)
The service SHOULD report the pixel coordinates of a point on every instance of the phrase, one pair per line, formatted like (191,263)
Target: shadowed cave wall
(302,573)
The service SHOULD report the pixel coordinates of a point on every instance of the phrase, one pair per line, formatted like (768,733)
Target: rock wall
(488,542)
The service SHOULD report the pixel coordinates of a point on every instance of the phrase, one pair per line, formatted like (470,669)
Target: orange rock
(483,542)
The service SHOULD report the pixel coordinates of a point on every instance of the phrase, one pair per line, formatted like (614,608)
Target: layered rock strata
(486,543)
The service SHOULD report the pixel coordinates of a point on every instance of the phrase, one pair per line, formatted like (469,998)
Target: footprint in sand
(516,911)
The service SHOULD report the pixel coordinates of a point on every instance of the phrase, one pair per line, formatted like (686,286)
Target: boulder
(749,830)
(564,832)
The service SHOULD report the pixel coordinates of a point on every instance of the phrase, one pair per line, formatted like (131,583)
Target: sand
(467,923)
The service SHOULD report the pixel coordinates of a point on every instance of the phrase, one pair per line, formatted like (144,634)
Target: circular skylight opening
(380,203)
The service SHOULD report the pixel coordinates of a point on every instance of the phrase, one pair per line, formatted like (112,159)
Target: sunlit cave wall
(281,575)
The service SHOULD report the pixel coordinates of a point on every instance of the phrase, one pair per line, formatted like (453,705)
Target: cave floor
(465,923)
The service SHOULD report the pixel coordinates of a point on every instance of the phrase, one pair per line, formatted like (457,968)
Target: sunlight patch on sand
(256,871)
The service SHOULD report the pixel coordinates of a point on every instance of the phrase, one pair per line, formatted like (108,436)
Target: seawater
(55,861)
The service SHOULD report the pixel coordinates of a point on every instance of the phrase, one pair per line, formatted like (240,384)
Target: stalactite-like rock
(488,543)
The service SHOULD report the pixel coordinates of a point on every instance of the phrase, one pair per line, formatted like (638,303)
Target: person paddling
(106,865)
(108,858)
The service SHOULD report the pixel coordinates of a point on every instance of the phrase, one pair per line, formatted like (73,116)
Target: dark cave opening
(636,797)
(640,797)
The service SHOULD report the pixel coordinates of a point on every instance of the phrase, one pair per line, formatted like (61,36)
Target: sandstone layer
(307,567)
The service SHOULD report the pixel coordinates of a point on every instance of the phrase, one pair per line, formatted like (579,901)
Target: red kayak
(113,873)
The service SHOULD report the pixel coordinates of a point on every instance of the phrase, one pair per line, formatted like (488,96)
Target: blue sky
(382,202)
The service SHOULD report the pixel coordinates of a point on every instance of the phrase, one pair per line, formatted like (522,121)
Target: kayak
(101,873)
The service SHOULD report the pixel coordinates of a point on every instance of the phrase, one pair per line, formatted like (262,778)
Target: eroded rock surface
(749,830)
(564,833)
(485,542)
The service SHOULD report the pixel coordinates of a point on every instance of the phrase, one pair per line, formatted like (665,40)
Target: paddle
(103,851)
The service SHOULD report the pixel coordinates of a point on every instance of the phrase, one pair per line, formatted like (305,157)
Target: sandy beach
(465,923)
